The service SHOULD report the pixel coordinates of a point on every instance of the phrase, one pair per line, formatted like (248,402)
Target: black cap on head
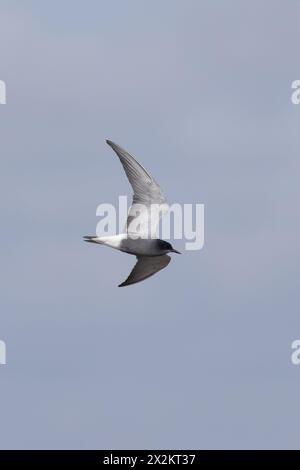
(164,245)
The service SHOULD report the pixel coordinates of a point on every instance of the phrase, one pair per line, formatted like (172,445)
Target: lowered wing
(145,267)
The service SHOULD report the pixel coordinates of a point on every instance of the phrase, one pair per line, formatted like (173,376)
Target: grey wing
(145,267)
(146,192)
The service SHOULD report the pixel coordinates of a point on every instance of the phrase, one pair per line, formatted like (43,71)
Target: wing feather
(146,194)
(145,267)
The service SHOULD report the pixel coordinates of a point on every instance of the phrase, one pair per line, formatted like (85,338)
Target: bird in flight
(139,237)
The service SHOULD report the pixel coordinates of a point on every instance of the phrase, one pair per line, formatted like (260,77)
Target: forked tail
(92,239)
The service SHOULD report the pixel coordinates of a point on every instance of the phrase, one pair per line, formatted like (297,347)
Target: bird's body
(139,239)
(137,247)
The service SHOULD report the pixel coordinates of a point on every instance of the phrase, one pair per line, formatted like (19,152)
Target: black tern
(139,239)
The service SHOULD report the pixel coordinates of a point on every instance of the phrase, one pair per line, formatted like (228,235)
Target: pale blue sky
(199,355)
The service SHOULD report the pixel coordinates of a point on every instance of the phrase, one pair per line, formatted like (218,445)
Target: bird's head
(166,247)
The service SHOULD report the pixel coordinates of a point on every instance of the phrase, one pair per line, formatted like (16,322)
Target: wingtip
(124,284)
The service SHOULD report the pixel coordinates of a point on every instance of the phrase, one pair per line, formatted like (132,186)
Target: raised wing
(149,202)
(145,267)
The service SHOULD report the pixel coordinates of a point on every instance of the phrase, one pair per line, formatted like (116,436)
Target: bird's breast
(140,247)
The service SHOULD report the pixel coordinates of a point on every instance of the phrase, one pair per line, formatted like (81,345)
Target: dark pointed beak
(175,251)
